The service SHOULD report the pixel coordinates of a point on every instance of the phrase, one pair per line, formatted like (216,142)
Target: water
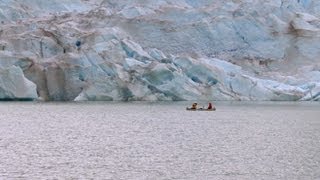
(159,141)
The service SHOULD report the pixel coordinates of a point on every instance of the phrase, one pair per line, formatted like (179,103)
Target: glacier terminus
(152,50)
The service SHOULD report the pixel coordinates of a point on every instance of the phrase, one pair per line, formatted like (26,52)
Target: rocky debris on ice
(160,50)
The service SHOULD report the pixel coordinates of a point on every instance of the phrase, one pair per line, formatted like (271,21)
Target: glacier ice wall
(160,50)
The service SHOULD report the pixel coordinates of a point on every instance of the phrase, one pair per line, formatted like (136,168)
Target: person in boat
(194,106)
(211,107)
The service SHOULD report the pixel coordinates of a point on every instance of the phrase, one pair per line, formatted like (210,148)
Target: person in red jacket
(211,107)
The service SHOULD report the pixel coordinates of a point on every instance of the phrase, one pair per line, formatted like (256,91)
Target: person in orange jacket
(194,106)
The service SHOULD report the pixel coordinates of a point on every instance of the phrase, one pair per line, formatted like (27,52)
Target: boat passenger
(210,106)
(194,106)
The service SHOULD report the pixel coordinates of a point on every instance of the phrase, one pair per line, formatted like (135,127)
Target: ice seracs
(14,85)
(160,50)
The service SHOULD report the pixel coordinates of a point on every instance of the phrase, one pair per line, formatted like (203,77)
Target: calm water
(159,141)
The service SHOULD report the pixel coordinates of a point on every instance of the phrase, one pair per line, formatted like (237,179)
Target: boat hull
(200,109)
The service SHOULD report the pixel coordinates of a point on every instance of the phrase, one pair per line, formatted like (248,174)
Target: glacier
(133,50)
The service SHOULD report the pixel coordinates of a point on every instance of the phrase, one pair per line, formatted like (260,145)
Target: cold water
(143,140)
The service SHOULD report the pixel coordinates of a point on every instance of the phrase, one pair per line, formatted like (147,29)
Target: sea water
(143,140)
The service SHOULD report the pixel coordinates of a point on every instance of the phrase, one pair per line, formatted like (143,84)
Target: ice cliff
(160,50)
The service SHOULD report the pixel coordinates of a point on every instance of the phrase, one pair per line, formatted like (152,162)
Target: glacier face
(160,50)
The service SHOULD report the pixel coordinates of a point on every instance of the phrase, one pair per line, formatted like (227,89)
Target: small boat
(200,109)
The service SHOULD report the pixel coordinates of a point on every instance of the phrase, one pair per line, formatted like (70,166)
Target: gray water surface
(159,141)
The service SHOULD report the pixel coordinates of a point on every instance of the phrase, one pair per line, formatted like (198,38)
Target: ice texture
(160,50)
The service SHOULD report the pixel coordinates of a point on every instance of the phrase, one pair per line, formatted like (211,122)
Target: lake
(145,140)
